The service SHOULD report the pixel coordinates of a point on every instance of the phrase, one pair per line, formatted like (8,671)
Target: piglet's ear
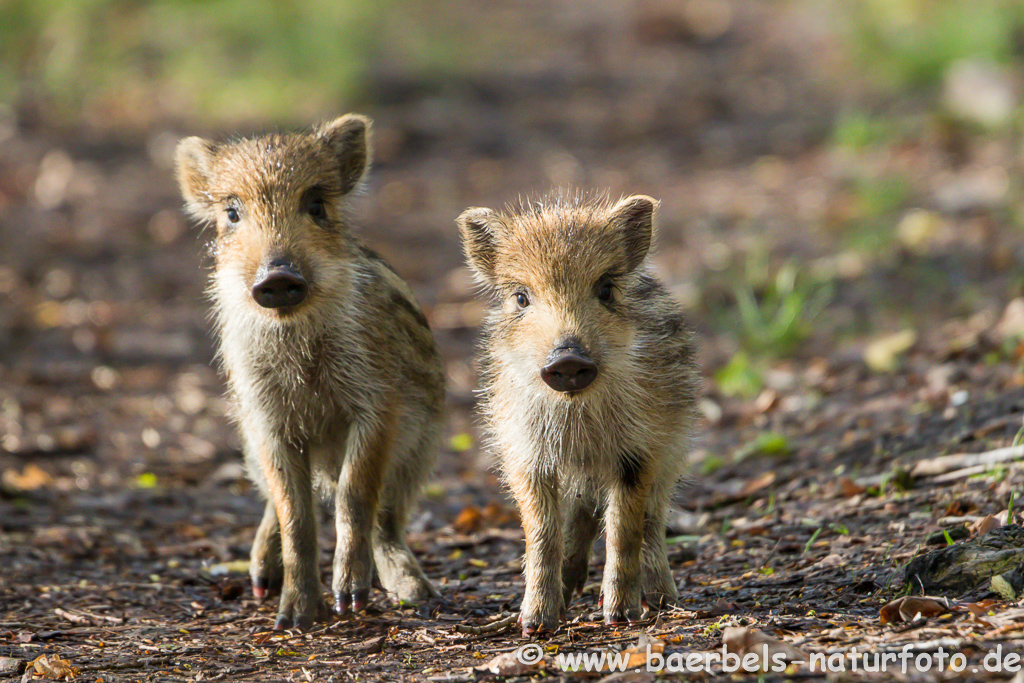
(481,229)
(193,160)
(634,218)
(348,138)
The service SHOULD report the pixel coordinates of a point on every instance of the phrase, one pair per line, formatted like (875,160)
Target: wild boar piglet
(335,379)
(589,379)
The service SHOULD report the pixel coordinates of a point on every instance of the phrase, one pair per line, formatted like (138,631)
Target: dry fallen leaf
(883,355)
(370,646)
(473,519)
(720,608)
(468,520)
(832,560)
(233,567)
(54,668)
(1003,588)
(509,664)
(850,488)
(1011,325)
(918,228)
(983,526)
(910,607)
(982,607)
(766,400)
(755,485)
(31,478)
(740,640)
(637,654)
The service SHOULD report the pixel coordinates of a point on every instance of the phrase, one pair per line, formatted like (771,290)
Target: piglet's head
(278,204)
(558,272)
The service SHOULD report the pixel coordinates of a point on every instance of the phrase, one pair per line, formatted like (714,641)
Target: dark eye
(522,301)
(316,209)
(232,213)
(314,204)
(605,291)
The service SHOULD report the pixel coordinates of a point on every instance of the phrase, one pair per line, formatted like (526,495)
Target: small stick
(504,622)
(948,463)
(73,618)
(83,617)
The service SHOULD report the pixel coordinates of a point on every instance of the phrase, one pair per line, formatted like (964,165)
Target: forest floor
(126,518)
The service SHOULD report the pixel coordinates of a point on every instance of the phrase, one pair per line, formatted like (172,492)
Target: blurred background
(840,186)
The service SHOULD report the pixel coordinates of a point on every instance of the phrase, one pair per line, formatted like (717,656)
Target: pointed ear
(348,139)
(634,218)
(193,161)
(480,229)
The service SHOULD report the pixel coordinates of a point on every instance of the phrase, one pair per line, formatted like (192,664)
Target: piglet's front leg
(543,606)
(624,524)
(287,474)
(357,500)
(265,565)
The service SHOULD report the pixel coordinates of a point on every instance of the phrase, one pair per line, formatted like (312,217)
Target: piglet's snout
(569,369)
(279,284)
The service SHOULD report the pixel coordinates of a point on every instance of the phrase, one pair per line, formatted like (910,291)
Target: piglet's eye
(522,301)
(232,213)
(316,209)
(605,291)
(314,204)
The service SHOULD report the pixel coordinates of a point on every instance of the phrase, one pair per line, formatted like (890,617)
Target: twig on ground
(958,461)
(963,473)
(83,617)
(73,618)
(504,622)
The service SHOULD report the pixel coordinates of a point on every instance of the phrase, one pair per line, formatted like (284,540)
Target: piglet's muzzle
(279,284)
(569,369)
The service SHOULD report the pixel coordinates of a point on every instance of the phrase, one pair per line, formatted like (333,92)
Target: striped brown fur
(342,393)
(610,454)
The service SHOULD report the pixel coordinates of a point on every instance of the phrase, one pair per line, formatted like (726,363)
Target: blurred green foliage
(856,131)
(911,43)
(768,444)
(739,377)
(225,60)
(877,203)
(781,318)
(775,314)
(230,60)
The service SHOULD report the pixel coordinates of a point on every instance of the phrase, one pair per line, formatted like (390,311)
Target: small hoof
(530,628)
(356,601)
(283,623)
(263,587)
(533,626)
(360,599)
(622,618)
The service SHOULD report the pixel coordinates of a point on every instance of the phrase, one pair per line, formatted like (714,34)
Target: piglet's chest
(303,381)
(572,436)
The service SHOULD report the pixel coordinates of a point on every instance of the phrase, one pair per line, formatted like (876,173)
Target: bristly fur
(578,452)
(344,391)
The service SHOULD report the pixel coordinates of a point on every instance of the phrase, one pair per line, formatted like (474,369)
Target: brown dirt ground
(123,503)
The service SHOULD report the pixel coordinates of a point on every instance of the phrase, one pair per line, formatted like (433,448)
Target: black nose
(570,372)
(279,287)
